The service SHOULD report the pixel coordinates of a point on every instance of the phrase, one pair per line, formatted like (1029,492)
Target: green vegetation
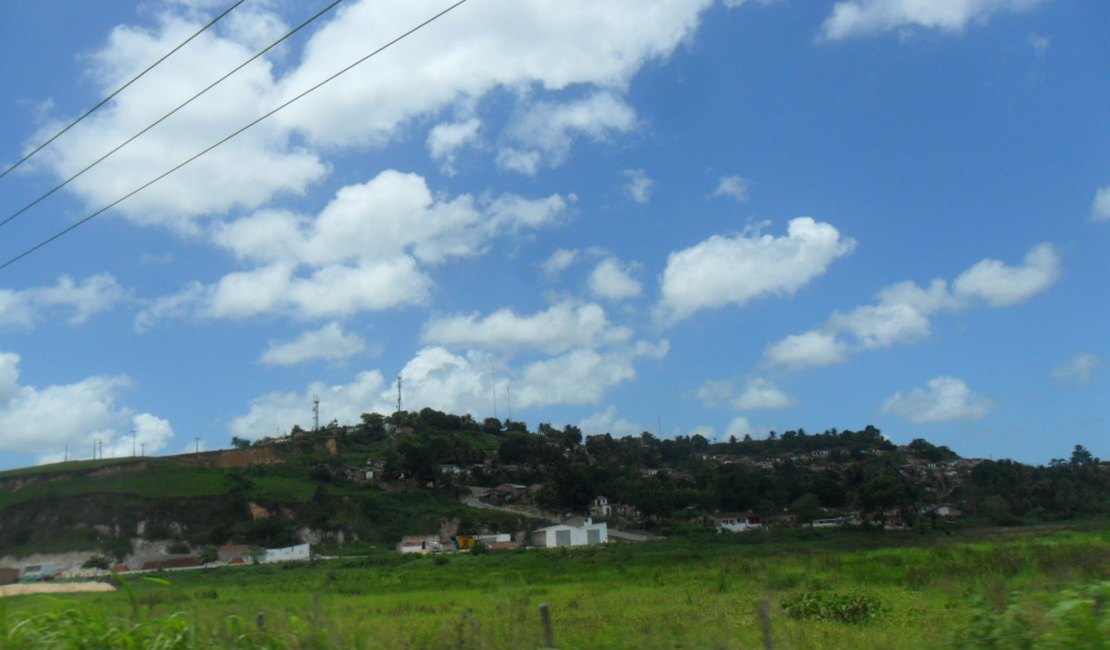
(1038,588)
(268,492)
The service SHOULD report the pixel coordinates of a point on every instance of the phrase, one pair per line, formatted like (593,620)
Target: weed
(852,608)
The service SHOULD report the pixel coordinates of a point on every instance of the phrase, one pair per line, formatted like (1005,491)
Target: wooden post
(261,620)
(548,635)
(765,623)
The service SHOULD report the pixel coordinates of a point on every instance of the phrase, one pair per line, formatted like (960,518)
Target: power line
(142,187)
(121,88)
(167,115)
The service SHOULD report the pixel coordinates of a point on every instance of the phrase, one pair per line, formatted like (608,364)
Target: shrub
(852,608)
(1070,618)
(178,548)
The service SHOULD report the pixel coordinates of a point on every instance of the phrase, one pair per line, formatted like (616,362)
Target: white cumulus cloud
(565,73)
(638,185)
(1000,285)
(557,329)
(1079,369)
(733,187)
(329,342)
(864,17)
(545,131)
(811,349)
(370,249)
(559,261)
(1100,208)
(902,311)
(447,138)
(612,281)
(943,399)
(756,393)
(609,421)
(733,270)
(80,300)
(43,421)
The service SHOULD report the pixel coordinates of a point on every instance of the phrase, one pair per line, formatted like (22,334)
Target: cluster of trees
(860,470)
(1006,492)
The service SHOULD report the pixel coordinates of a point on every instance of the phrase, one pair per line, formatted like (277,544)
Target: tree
(207,554)
(1081,456)
(240,443)
(256,554)
(805,508)
(97,562)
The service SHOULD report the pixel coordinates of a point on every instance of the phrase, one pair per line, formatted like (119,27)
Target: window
(562,538)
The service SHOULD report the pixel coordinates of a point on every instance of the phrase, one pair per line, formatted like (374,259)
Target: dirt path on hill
(53,588)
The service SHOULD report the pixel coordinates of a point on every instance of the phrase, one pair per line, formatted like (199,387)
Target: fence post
(548,635)
(765,623)
(261,620)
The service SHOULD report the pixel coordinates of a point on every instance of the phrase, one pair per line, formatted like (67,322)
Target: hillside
(404,474)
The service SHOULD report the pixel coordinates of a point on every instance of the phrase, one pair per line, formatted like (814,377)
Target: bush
(178,548)
(97,562)
(1070,618)
(832,606)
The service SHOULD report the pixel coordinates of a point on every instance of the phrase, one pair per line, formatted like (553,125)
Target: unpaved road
(54,588)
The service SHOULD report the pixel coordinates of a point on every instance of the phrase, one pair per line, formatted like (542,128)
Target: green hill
(272,492)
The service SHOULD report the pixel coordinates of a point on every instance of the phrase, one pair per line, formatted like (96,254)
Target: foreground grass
(1024,589)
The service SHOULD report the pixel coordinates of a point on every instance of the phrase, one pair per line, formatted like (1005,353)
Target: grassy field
(1029,588)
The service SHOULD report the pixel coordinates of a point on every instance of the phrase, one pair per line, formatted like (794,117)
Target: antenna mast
(399,403)
(493,388)
(315,412)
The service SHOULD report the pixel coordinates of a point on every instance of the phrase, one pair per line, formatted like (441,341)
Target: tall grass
(674,594)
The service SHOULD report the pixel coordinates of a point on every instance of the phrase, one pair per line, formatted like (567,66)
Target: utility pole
(509,398)
(132,443)
(399,403)
(67,454)
(315,412)
(142,449)
(493,388)
(196,450)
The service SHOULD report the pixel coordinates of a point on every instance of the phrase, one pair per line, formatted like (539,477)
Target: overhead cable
(154,180)
(120,89)
(155,123)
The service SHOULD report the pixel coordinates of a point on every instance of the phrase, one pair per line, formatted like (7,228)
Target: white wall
(550,538)
(288,554)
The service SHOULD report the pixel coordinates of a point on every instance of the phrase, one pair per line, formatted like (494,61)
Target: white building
(736,523)
(571,533)
(601,507)
(288,554)
(420,544)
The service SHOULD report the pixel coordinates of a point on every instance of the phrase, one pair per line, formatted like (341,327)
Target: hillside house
(735,522)
(419,544)
(509,493)
(574,532)
(233,554)
(600,507)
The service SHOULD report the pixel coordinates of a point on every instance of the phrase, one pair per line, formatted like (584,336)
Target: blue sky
(677,216)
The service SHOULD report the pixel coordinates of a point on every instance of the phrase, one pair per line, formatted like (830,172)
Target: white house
(571,533)
(736,523)
(420,544)
(601,507)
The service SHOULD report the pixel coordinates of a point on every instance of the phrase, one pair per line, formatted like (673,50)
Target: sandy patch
(54,588)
